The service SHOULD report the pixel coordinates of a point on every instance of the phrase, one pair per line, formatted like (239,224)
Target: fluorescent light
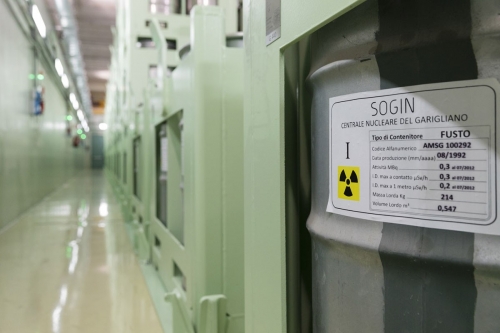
(74,101)
(84,123)
(103,126)
(65,81)
(79,113)
(64,22)
(103,74)
(37,17)
(103,209)
(59,67)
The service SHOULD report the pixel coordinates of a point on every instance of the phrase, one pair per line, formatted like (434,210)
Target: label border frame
(495,210)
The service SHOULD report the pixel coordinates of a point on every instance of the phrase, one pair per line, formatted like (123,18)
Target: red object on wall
(76,141)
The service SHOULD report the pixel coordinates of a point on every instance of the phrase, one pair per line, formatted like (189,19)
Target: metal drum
(381,277)
(165,6)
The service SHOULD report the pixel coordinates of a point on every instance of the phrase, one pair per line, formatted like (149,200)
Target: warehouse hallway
(67,265)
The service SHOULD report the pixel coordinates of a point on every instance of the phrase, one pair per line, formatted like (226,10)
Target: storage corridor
(67,265)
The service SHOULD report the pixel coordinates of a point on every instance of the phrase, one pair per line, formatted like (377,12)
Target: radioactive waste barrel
(404,168)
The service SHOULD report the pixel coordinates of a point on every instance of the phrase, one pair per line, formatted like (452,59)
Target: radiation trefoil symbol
(348,183)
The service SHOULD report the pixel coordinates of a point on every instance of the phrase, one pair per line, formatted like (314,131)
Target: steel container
(381,277)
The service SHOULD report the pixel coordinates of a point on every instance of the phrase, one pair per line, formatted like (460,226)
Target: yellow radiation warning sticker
(348,182)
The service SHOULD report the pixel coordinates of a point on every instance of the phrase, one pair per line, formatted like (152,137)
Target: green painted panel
(264,179)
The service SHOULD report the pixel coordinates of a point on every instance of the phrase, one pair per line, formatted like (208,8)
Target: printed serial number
(458,145)
(450,145)
(446,155)
(446,197)
(464,167)
(448,186)
(447,208)
(447,176)
(457,167)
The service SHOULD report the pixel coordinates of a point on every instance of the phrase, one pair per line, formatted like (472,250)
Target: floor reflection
(67,265)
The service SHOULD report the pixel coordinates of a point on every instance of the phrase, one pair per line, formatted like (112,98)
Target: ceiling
(95,19)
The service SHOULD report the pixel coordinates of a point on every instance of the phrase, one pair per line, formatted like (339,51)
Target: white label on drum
(273,21)
(422,155)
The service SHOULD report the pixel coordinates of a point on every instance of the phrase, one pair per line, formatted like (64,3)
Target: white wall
(36,156)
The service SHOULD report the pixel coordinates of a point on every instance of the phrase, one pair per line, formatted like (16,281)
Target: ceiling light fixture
(59,67)
(65,81)
(40,24)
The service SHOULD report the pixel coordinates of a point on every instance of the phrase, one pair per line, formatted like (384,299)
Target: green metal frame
(203,243)
(125,105)
(264,132)
(208,87)
(136,77)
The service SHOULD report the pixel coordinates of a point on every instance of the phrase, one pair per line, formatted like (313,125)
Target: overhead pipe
(71,46)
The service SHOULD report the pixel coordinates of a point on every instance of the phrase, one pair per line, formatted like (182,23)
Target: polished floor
(67,265)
